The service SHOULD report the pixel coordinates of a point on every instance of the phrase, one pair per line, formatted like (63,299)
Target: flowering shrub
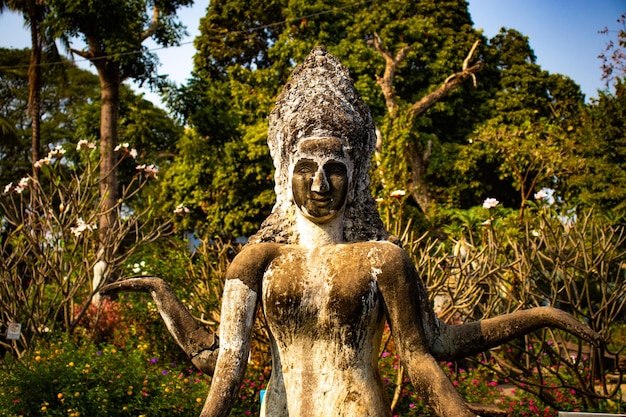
(51,244)
(83,379)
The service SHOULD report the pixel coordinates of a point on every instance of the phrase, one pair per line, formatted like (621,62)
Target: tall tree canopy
(246,52)
(461,117)
(113,35)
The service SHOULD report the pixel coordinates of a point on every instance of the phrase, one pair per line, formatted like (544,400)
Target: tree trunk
(34,83)
(110,95)
(418,160)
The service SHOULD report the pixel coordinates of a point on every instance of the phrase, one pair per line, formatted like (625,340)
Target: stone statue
(327,276)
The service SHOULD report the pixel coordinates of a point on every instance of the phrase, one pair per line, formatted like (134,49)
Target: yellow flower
(44,408)
(77,394)
(70,364)
(198,400)
(60,395)
(37,358)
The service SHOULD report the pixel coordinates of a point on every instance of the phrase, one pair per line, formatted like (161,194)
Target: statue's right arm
(236,322)
(243,285)
(199,344)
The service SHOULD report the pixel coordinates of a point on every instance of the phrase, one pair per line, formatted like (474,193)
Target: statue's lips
(321,202)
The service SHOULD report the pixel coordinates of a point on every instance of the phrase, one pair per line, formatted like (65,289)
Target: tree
(614,56)
(596,175)
(65,89)
(113,34)
(34,12)
(246,53)
(530,131)
(71,108)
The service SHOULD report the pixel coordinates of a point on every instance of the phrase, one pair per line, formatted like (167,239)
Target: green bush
(81,379)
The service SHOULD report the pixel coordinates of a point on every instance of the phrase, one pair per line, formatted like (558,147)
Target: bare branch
(451,83)
(154,25)
(391,65)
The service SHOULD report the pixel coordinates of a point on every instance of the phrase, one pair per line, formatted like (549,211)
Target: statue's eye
(305,168)
(335,168)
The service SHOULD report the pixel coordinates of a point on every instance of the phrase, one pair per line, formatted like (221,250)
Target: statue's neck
(314,235)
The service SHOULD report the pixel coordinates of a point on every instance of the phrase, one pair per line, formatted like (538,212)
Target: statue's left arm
(398,285)
(236,322)
(452,342)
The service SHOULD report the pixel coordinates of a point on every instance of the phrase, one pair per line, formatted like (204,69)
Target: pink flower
(19,188)
(56,153)
(42,162)
(125,147)
(151,171)
(490,203)
(540,195)
(181,210)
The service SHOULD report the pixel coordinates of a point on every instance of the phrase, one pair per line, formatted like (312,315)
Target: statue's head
(320,123)
(321,174)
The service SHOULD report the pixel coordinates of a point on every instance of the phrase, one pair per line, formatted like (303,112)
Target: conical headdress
(320,101)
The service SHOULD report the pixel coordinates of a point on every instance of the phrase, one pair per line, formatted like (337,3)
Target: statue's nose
(320,183)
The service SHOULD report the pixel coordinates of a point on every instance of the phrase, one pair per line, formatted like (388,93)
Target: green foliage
(216,196)
(67,89)
(116,30)
(596,176)
(490,262)
(81,379)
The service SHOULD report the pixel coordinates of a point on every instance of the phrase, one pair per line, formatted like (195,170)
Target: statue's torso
(325,316)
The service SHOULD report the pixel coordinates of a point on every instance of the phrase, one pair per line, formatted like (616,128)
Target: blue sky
(563,34)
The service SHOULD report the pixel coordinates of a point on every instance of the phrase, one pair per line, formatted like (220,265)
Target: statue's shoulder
(252,260)
(259,252)
(383,247)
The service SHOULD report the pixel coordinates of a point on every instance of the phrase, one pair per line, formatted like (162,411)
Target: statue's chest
(310,293)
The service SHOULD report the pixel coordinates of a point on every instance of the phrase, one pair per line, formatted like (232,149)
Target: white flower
(82,227)
(150,170)
(181,210)
(126,148)
(85,145)
(380,200)
(23,184)
(8,188)
(57,152)
(540,195)
(398,193)
(490,203)
(42,162)
(121,146)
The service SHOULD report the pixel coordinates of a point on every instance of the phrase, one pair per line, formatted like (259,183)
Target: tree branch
(80,53)
(450,84)
(391,65)
(154,25)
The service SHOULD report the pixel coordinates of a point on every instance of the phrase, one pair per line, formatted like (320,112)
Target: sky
(563,34)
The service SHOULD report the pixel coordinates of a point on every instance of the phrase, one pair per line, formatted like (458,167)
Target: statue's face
(320,179)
